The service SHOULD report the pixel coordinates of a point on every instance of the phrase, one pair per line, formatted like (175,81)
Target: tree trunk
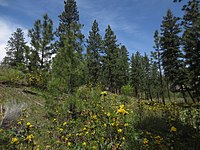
(161,83)
(158,98)
(184,97)
(190,95)
(168,92)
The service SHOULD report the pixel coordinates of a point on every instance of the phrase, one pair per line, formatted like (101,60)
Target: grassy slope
(33,102)
(148,117)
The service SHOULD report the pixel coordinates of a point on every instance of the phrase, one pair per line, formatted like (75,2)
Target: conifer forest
(64,90)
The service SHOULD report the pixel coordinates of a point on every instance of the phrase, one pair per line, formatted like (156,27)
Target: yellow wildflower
(54,120)
(29,125)
(122,111)
(69,144)
(121,106)
(29,138)
(14,140)
(158,139)
(126,124)
(113,124)
(108,114)
(104,93)
(173,129)
(94,117)
(84,144)
(105,125)
(62,137)
(119,130)
(61,129)
(65,123)
(145,141)
(19,122)
(48,146)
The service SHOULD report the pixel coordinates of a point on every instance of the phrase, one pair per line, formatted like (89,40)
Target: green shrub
(127,90)
(12,76)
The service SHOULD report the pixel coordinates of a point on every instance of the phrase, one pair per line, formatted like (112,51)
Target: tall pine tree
(93,58)
(110,59)
(67,64)
(157,57)
(136,73)
(191,45)
(41,41)
(170,46)
(122,67)
(16,50)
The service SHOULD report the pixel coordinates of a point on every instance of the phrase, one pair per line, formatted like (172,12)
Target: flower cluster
(121,110)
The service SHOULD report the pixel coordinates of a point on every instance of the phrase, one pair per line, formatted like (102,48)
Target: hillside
(92,119)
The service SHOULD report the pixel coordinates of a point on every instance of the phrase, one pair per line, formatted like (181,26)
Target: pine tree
(16,50)
(122,71)
(146,67)
(41,41)
(67,73)
(136,73)
(191,45)
(154,79)
(110,59)
(170,46)
(122,77)
(93,58)
(35,35)
(157,56)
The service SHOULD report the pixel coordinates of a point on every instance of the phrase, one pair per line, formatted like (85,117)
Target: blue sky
(133,21)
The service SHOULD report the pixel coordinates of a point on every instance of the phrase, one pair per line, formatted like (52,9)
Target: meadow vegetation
(93,119)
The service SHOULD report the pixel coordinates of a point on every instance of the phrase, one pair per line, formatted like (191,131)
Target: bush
(127,90)
(12,76)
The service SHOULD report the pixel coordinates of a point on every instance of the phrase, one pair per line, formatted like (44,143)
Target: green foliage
(110,57)
(67,67)
(38,80)
(127,90)
(170,43)
(162,127)
(93,58)
(191,46)
(156,55)
(136,73)
(15,50)
(122,77)
(12,76)
(41,41)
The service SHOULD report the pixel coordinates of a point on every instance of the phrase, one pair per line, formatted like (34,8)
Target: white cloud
(7,27)
(2,51)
